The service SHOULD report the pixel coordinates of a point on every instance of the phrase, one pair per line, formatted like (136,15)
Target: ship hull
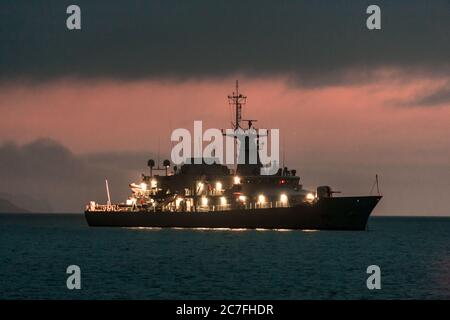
(341,213)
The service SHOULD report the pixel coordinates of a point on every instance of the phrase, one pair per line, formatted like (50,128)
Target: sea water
(413,255)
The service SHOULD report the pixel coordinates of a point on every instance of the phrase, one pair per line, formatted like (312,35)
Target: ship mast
(237,100)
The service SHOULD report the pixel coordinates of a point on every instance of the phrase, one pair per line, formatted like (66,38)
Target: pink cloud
(337,135)
(132,115)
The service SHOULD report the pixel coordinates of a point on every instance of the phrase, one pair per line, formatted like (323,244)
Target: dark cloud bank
(315,43)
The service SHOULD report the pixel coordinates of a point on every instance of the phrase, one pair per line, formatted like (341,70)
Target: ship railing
(280,204)
(266,205)
(107,208)
(246,206)
(172,208)
(221,207)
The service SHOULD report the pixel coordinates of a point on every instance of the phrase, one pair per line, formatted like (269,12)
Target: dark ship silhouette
(213,196)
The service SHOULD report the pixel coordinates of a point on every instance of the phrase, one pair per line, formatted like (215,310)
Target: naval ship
(206,194)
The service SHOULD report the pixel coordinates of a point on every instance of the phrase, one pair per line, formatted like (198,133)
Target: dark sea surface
(120,263)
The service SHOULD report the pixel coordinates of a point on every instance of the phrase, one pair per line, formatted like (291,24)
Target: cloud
(438,97)
(315,43)
(432,96)
(45,174)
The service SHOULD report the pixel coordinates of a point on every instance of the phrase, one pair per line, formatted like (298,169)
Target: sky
(78,106)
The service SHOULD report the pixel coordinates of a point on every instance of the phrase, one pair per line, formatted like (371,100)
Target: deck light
(261,199)
(283,198)
(310,196)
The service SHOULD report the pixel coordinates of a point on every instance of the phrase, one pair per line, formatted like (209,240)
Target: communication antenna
(378,189)
(375,184)
(108,203)
(159,151)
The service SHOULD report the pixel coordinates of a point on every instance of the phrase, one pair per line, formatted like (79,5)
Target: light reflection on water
(218,229)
